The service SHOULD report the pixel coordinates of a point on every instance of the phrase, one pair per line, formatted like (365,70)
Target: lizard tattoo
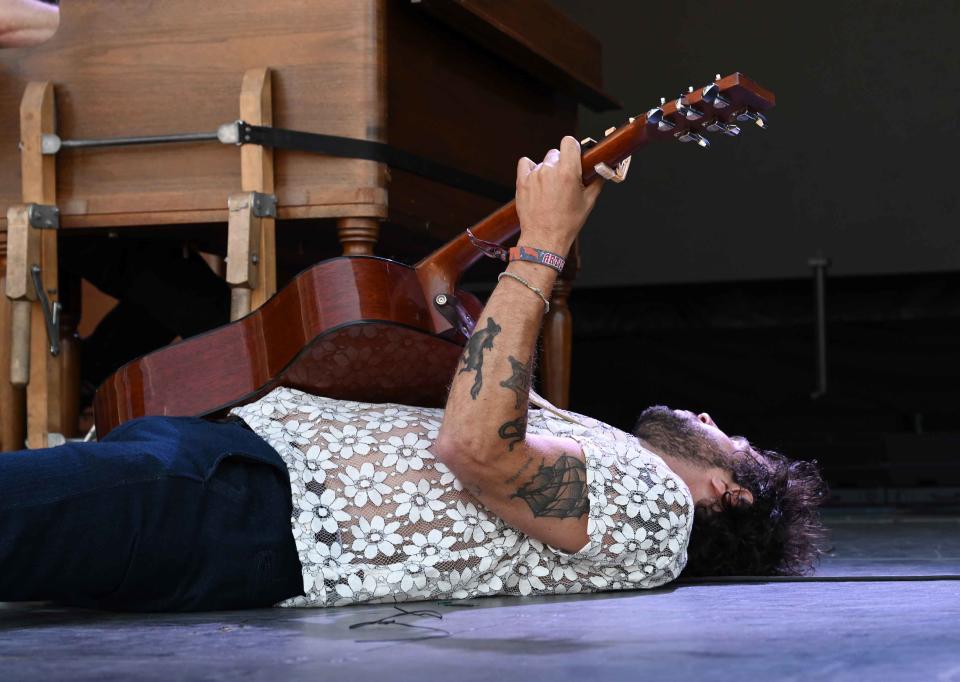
(473,356)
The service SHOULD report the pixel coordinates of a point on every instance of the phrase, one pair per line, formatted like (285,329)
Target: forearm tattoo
(515,430)
(481,340)
(558,490)
(523,467)
(519,381)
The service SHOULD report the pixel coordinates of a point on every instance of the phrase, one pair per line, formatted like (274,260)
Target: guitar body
(361,328)
(351,328)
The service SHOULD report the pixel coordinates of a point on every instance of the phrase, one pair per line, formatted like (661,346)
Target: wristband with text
(521,253)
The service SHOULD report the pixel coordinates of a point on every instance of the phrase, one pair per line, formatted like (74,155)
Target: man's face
(696,439)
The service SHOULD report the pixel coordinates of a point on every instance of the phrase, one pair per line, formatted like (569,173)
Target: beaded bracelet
(536,290)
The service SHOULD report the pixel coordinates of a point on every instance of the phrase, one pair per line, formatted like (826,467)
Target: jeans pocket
(232,476)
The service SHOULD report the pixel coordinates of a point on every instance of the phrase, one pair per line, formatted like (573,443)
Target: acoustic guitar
(371,329)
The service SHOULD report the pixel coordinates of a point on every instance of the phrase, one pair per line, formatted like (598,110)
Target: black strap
(350,148)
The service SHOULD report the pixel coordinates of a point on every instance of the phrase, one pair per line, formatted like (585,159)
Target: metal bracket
(264,205)
(449,306)
(43,217)
(51,313)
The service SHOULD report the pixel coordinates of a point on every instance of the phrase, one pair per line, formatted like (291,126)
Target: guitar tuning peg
(721,127)
(688,112)
(663,100)
(759,119)
(609,131)
(655,117)
(587,142)
(689,89)
(712,96)
(717,77)
(690,136)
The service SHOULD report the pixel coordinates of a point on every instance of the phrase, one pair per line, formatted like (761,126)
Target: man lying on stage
(389,502)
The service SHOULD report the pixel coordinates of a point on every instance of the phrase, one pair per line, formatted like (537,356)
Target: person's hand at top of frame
(552,202)
(27,22)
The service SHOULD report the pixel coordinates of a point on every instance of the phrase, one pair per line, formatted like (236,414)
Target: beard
(678,435)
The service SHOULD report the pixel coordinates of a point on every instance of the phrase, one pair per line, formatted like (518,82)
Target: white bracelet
(536,290)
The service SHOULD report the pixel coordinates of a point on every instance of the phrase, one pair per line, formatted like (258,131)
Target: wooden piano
(472,84)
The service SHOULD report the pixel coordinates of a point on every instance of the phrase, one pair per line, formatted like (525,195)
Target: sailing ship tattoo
(473,355)
(558,490)
(519,381)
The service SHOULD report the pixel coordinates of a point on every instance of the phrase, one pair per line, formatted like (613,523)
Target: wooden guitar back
(348,328)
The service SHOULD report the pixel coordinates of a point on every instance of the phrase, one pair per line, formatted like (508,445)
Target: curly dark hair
(780,533)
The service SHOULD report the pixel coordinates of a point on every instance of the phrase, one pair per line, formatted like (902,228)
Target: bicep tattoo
(519,381)
(558,490)
(481,340)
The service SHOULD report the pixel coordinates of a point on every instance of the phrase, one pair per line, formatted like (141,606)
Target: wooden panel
(461,106)
(536,37)
(136,68)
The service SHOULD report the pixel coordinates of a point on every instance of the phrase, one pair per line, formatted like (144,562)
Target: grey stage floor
(864,631)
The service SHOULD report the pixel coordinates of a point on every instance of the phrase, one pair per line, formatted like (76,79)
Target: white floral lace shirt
(376,517)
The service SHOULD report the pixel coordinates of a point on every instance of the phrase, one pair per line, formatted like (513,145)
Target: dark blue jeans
(164,514)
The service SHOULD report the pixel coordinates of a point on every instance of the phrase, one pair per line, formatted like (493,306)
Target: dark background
(858,163)
(717,314)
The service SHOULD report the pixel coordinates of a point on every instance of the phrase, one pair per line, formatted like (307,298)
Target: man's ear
(718,486)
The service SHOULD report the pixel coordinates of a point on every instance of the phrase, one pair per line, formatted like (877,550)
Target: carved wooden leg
(557,342)
(558,335)
(358,235)
(12,399)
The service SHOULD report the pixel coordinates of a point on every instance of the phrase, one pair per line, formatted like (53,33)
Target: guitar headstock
(718,107)
(721,107)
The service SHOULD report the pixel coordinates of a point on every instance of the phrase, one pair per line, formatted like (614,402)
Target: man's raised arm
(483,438)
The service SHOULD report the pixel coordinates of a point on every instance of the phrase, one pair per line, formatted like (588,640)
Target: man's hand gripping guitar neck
(535,483)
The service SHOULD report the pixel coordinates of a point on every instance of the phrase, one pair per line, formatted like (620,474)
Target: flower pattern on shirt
(376,517)
(418,501)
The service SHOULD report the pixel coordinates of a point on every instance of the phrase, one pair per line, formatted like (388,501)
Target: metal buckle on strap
(488,248)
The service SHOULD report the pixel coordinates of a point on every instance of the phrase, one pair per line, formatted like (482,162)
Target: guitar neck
(716,108)
(457,255)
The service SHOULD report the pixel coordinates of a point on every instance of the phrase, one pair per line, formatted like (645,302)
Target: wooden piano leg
(557,343)
(558,335)
(12,398)
(358,235)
